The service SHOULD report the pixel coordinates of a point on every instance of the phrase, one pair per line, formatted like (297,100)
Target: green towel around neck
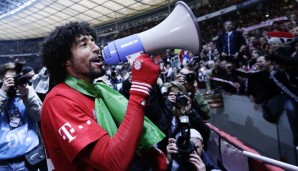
(110,108)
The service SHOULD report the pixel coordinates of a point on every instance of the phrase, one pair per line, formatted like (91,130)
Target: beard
(84,68)
(95,74)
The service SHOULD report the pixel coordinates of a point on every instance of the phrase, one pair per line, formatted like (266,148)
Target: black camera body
(19,79)
(184,145)
(181,99)
(190,78)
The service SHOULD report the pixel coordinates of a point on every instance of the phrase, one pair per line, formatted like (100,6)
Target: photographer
(198,159)
(187,77)
(179,103)
(20,109)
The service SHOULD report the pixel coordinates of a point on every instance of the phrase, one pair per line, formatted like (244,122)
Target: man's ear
(67,63)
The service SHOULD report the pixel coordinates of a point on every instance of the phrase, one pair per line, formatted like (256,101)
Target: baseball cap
(195,134)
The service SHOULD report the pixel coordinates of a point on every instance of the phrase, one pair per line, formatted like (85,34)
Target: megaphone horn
(179,30)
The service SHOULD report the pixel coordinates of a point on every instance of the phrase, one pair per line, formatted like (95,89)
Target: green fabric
(110,108)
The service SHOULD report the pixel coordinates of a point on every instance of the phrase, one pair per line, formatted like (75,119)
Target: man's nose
(95,48)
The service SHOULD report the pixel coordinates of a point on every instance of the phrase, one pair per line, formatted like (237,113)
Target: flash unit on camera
(184,119)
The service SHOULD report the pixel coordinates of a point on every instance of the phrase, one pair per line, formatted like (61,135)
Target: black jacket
(236,40)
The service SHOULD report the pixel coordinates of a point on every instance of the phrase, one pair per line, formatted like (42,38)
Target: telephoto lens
(184,145)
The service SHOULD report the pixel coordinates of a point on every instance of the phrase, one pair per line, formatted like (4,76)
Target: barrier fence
(233,155)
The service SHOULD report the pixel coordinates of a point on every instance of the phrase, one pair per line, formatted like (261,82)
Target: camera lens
(190,78)
(181,99)
(184,145)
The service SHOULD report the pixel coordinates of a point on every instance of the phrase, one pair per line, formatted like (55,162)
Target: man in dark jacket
(229,42)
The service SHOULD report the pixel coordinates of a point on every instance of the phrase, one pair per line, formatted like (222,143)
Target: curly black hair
(56,48)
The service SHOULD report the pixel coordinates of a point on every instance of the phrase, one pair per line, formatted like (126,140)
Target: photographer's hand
(171,149)
(172,97)
(196,160)
(223,54)
(188,107)
(7,83)
(180,78)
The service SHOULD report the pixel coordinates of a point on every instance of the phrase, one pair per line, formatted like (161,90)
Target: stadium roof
(42,16)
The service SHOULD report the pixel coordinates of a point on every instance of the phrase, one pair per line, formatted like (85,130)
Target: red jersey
(68,126)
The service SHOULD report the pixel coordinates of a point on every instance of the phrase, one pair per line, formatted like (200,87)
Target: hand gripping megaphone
(179,30)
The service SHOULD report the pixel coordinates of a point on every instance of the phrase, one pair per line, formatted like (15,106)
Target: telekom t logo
(65,131)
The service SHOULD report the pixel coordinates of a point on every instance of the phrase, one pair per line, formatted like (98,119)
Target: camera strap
(13,114)
(6,106)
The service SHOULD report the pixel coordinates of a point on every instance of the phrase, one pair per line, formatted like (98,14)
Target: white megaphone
(179,30)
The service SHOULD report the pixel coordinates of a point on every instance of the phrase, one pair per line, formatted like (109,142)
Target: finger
(197,157)
(172,151)
(9,79)
(171,140)
(169,150)
(9,83)
(194,162)
(172,147)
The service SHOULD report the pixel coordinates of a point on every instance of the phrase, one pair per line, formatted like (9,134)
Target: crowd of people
(83,119)
(93,116)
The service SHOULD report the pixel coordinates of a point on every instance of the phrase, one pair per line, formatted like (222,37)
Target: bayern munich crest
(137,64)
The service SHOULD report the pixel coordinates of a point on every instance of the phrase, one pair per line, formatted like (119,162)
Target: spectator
(260,87)
(243,57)
(229,42)
(163,71)
(115,80)
(40,82)
(210,66)
(201,74)
(254,56)
(294,31)
(168,57)
(193,59)
(214,86)
(293,19)
(169,72)
(285,79)
(254,43)
(231,81)
(216,54)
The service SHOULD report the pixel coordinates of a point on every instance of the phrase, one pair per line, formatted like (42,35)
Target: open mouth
(98,59)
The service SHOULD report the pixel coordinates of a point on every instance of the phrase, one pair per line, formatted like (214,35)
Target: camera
(19,78)
(184,145)
(190,78)
(181,99)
